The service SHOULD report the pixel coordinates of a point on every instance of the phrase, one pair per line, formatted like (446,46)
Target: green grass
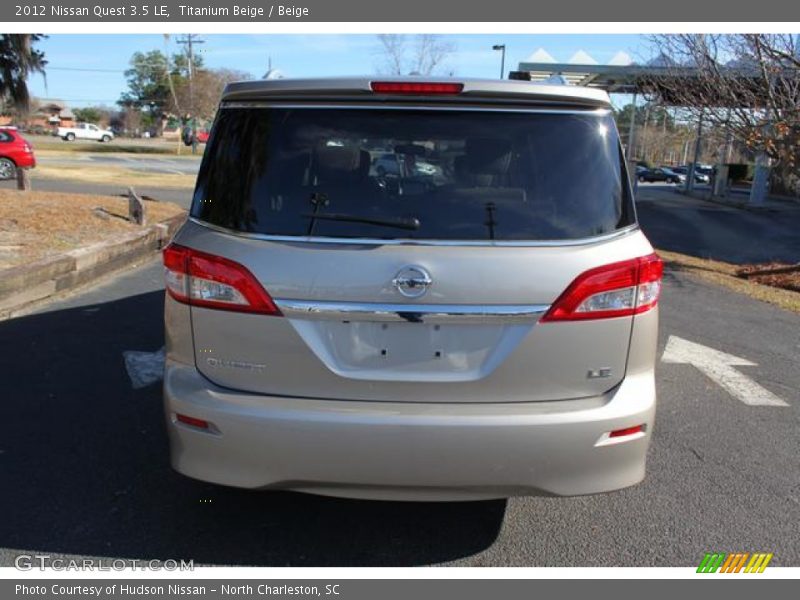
(100,147)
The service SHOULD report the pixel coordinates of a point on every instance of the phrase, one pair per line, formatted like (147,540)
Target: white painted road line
(718,366)
(170,163)
(144,368)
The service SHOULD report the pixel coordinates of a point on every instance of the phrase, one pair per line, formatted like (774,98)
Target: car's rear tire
(106,139)
(70,137)
(642,180)
(8,170)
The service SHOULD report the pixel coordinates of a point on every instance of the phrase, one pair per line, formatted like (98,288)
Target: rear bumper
(408,451)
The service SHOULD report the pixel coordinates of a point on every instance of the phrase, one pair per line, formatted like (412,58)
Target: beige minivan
(412,289)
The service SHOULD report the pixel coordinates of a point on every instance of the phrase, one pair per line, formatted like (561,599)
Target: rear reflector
(627,431)
(201,279)
(193,421)
(620,289)
(416,87)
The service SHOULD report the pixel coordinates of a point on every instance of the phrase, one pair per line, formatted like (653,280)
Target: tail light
(416,88)
(620,289)
(202,279)
(26,148)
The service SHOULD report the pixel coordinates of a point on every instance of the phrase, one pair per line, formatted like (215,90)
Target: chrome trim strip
(295,239)
(411,313)
(368,105)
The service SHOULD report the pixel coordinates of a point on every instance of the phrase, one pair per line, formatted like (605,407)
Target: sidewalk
(679,223)
(739,198)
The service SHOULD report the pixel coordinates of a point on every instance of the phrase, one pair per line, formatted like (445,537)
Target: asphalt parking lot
(85,469)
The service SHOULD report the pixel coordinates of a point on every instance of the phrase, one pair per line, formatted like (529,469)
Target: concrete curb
(769,206)
(24,285)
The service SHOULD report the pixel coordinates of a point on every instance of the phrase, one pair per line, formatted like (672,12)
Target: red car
(15,151)
(202,136)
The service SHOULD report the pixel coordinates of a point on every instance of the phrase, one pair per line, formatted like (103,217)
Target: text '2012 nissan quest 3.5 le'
(404,289)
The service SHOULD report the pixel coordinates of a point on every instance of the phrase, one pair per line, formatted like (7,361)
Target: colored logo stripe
(733,563)
(711,562)
(758,563)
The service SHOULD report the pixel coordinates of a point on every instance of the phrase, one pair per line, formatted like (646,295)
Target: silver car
(486,332)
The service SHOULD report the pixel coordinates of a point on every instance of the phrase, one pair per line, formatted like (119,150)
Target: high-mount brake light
(201,279)
(620,289)
(417,88)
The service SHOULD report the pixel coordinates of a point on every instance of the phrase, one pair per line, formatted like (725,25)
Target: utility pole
(728,137)
(697,147)
(631,129)
(501,47)
(644,130)
(189,40)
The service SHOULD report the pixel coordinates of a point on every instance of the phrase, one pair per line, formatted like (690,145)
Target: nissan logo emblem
(412,282)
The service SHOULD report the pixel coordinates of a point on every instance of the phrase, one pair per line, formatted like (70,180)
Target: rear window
(413,174)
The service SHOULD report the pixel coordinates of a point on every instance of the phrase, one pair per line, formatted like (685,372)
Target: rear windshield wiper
(410,223)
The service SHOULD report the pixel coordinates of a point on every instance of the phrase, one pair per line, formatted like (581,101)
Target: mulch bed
(776,274)
(37,224)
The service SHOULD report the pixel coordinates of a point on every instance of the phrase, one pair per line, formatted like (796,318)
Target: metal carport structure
(632,79)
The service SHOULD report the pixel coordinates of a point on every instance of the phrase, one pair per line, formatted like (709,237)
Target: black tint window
(401,173)
(6,137)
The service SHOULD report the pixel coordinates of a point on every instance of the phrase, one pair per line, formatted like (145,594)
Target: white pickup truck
(85,131)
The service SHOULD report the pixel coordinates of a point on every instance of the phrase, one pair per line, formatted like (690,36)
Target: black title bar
(449,11)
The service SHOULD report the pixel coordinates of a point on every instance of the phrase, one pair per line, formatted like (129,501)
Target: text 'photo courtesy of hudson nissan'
(412,289)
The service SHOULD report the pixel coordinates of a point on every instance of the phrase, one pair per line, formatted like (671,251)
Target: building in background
(46,116)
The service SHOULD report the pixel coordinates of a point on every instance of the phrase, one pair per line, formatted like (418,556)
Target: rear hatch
(314,273)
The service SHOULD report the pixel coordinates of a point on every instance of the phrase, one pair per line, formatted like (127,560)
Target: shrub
(740,171)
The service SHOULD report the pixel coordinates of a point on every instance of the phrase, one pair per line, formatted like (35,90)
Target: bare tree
(393,50)
(129,119)
(208,86)
(422,54)
(745,85)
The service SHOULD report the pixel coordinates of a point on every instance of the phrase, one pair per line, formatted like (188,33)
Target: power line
(150,65)
(49,68)
(98,100)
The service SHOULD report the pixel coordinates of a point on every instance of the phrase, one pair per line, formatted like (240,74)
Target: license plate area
(388,345)
(410,351)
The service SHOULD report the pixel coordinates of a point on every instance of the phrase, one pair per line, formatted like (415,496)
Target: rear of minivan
(477,321)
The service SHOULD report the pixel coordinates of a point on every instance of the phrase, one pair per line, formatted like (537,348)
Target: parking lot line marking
(169,164)
(718,366)
(144,368)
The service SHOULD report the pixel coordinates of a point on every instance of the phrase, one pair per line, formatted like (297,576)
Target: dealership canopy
(656,78)
(621,75)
